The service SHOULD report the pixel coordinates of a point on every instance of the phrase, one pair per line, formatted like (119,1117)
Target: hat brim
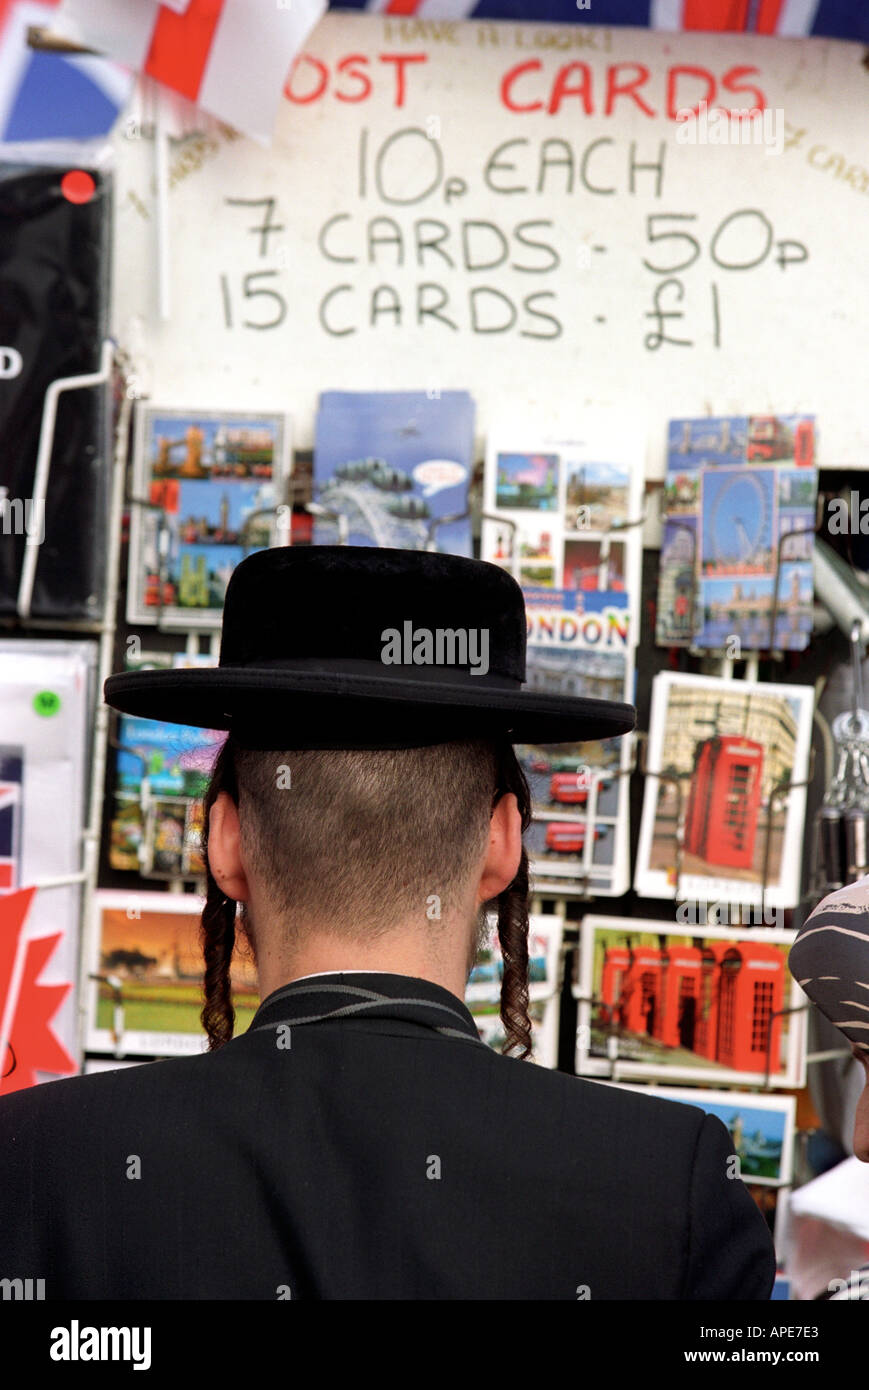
(276,709)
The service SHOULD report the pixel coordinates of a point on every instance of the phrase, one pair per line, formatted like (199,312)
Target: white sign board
(519,210)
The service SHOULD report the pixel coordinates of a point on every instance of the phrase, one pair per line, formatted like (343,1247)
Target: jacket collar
(364,995)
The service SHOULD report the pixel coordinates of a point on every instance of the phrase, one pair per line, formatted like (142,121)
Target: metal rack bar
(102,719)
(774,607)
(317,509)
(779,1013)
(431,532)
(43,464)
(780,791)
(676,778)
(40,37)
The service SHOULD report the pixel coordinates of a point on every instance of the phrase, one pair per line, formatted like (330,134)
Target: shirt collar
(366,994)
(317,974)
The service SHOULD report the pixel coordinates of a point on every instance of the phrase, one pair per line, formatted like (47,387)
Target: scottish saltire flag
(45,96)
(835,19)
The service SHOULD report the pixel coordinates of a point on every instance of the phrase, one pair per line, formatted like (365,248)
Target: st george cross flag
(833,19)
(229,57)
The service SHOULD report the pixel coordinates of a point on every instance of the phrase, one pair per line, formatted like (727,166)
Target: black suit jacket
(359,1141)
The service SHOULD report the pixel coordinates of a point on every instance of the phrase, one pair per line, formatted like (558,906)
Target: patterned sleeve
(830,960)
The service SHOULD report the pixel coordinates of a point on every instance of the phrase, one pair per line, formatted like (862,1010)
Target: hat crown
(326,603)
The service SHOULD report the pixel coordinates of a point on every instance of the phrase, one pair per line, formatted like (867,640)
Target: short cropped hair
(357,841)
(361,841)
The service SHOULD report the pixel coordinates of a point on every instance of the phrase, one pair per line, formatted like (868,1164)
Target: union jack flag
(835,19)
(11,773)
(47,96)
(50,96)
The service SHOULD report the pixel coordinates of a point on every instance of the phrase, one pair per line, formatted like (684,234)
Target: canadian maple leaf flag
(231,58)
(27,1041)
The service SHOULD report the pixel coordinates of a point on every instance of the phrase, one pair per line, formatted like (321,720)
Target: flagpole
(161,173)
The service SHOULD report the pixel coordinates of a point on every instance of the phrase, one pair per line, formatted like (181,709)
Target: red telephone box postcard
(702,1004)
(724,807)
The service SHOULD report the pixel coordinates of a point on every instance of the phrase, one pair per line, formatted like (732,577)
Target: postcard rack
(114,363)
(840,840)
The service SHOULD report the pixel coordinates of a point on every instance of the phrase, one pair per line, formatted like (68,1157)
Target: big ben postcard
(209,488)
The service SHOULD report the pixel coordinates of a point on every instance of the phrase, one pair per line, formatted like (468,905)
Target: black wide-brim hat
(360,647)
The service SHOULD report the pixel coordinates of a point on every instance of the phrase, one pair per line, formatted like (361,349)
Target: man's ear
(224,849)
(504,849)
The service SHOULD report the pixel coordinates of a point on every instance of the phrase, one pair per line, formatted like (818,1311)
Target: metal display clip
(43,463)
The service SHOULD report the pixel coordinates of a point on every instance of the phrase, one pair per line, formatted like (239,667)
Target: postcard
(527,482)
(545,935)
(47,698)
(739,521)
(393,468)
(210,488)
(537,575)
(595,565)
(746,534)
(762,1127)
(559,846)
(703,442)
(723,440)
(784,439)
(739,516)
(561,514)
(146,968)
(483,990)
(579,643)
(599,496)
(718,822)
(680,1003)
(161,775)
(544,1015)
(677,582)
